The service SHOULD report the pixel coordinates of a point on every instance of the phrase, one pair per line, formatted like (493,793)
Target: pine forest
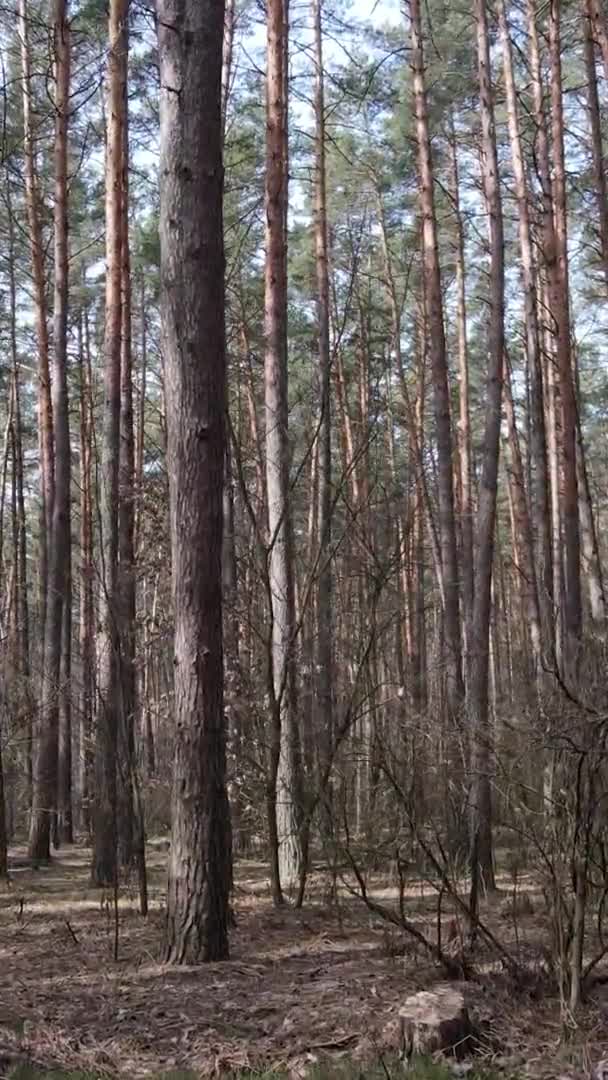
(303,498)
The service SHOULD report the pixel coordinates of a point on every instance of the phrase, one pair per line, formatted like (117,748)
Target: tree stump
(436,1021)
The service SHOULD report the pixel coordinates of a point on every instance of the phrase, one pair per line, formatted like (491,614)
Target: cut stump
(434,1021)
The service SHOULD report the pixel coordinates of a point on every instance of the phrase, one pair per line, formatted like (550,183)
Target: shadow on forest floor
(304,990)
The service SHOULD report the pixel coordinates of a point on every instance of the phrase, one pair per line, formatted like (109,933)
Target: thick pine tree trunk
(46,757)
(192,321)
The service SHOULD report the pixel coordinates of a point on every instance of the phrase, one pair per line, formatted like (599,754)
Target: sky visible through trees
(303,467)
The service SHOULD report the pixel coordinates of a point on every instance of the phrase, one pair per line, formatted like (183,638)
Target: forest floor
(302,987)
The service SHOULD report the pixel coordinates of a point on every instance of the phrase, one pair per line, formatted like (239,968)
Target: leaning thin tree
(190,35)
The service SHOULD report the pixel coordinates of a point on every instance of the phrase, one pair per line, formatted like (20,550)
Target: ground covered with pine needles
(306,993)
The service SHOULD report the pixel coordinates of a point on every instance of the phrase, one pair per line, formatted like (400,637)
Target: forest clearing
(306,993)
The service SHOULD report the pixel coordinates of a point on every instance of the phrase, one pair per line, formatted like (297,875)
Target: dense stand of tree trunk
(192,299)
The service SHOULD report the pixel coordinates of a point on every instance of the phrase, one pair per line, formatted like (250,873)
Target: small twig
(73,935)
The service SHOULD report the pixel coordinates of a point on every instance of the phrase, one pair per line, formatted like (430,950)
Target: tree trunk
(3,836)
(46,760)
(126,524)
(523,531)
(104,867)
(481,746)
(193,344)
(539,494)
(65,816)
(600,30)
(561,313)
(22,614)
(324,608)
(549,296)
(285,763)
(439,367)
(464,422)
(45,411)
(593,105)
(87,613)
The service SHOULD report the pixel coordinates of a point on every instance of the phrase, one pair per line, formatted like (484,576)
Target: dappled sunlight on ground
(300,984)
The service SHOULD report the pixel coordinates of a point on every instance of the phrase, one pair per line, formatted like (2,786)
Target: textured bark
(523,531)
(86,642)
(324,608)
(108,705)
(227,56)
(481,735)
(45,411)
(464,422)
(22,610)
(439,368)
(65,812)
(192,319)
(593,105)
(591,562)
(539,494)
(548,298)
(285,753)
(561,313)
(126,525)
(600,29)
(3,837)
(46,749)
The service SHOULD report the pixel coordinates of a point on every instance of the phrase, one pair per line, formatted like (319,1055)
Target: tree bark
(192,320)
(539,494)
(439,368)
(324,608)
(126,523)
(87,607)
(561,313)
(593,105)
(108,710)
(481,752)
(45,793)
(285,754)
(45,411)
(464,422)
